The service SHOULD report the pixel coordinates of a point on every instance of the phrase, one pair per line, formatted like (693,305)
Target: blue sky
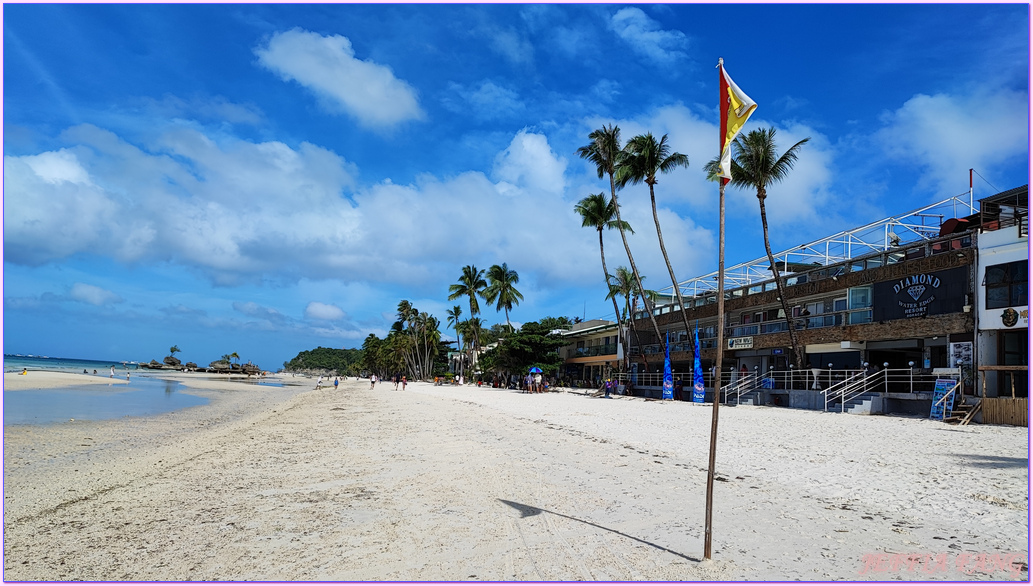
(265,179)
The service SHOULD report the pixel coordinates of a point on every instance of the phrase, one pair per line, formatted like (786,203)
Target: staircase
(742,391)
(860,404)
(963,414)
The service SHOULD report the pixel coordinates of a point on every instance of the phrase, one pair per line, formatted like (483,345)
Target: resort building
(902,295)
(1002,318)
(592,352)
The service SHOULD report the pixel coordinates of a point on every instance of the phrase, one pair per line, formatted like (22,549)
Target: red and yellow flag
(736,108)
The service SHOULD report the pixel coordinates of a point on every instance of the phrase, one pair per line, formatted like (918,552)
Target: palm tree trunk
(634,269)
(616,310)
(670,271)
(797,355)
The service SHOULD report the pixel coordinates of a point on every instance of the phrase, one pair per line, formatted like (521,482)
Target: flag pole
(709,526)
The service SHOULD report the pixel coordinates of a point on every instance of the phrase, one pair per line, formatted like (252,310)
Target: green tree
(501,289)
(471,284)
(532,345)
(645,158)
(235,356)
(757,165)
(606,153)
(597,213)
(173,350)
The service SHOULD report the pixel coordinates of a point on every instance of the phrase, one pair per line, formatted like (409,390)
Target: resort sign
(740,343)
(920,295)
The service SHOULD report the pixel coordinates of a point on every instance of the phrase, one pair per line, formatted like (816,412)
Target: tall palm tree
(453,320)
(597,213)
(471,284)
(645,158)
(756,165)
(606,152)
(501,289)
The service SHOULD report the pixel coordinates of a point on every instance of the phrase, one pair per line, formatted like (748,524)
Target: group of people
(319,382)
(533,383)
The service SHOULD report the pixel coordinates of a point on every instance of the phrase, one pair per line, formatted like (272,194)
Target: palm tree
(453,320)
(605,151)
(501,289)
(624,285)
(235,356)
(645,158)
(597,213)
(471,284)
(173,350)
(755,164)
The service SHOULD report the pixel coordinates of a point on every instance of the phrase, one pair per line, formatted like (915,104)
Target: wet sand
(449,483)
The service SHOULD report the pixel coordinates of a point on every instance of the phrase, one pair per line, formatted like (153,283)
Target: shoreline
(459,483)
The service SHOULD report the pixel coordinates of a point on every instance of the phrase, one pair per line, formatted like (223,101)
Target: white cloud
(529,161)
(240,211)
(328,67)
(92,294)
(57,166)
(323,311)
(645,37)
(945,135)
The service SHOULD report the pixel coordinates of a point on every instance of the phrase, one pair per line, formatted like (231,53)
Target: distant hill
(344,361)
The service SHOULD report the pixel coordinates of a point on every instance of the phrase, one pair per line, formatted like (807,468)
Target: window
(840,304)
(860,297)
(1006,285)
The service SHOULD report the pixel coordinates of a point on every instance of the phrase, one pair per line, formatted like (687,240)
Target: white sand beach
(448,483)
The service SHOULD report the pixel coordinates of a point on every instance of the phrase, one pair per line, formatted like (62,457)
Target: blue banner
(940,390)
(698,390)
(668,378)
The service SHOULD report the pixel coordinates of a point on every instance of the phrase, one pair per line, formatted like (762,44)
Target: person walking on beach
(372,381)
(395,380)
(336,381)
(319,381)
(538,382)
(609,387)
(112,375)
(403,382)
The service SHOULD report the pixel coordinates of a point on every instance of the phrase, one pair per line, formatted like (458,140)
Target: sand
(449,483)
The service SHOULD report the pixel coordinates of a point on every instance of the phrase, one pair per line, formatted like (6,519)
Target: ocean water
(144,395)
(17,362)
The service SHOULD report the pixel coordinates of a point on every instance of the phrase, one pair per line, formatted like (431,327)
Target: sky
(269,178)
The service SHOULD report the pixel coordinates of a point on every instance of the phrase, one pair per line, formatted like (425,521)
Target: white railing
(745,384)
(851,388)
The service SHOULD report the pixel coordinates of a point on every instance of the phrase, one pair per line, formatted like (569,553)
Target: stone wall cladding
(938,325)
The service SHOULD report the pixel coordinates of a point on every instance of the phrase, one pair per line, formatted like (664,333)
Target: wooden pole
(709,526)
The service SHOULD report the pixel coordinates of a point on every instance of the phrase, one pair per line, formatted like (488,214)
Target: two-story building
(900,293)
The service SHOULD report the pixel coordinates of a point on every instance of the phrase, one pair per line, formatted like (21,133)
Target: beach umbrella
(535,369)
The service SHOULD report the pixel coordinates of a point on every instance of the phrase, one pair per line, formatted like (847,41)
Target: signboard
(740,343)
(668,378)
(920,295)
(942,387)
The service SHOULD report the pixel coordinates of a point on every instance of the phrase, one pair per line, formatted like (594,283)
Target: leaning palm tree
(605,151)
(645,158)
(471,284)
(756,165)
(501,289)
(597,213)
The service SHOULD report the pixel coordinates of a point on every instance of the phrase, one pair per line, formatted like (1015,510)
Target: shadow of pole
(529,511)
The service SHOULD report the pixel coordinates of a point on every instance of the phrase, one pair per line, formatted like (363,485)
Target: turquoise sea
(146,394)
(16,362)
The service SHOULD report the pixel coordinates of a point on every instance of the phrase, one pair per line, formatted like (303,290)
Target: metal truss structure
(893,232)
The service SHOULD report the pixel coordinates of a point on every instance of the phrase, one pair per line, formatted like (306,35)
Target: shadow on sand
(529,511)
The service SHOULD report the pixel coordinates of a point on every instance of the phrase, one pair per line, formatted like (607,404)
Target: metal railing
(745,384)
(851,387)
